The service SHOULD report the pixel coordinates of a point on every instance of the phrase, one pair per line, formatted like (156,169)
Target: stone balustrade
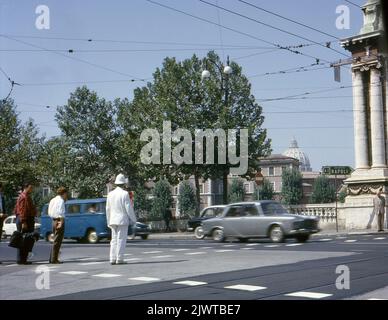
(326,213)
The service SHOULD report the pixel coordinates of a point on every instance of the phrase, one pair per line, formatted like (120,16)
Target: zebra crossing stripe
(294,244)
(73,273)
(245,287)
(191,283)
(178,250)
(310,295)
(194,253)
(152,252)
(107,275)
(225,250)
(91,263)
(379,238)
(350,241)
(145,279)
(161,257)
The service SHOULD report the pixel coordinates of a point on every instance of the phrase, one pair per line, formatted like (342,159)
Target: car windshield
(273,208)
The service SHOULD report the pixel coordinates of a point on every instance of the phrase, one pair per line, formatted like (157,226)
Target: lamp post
(259,179)
(225,70)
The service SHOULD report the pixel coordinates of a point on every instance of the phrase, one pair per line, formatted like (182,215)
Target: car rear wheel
(276,234)
(199,233)
(144,236)
(243,240)
(92,237)
(218,235)
(303,238)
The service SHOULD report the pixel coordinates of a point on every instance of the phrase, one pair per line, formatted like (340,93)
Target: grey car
(261,219)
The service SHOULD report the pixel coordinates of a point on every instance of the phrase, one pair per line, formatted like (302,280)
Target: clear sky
(142,34)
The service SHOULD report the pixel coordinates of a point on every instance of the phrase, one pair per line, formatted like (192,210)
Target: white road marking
(146,279)
(151,252)
(161,257)
(128,254)
(294,244)
(204,248)
(12,265)
(376,299)
(379,238)
(194,253)
(272,246)
(178,250)
(191,283)
(325,239)
(106,275)
(225,250)
(91,263)
(86,259)
(73,273)
(339,238)
(246,248)
(252,244)
(245,287)
(229,245)
(311,295)
(132,259)
(350,241)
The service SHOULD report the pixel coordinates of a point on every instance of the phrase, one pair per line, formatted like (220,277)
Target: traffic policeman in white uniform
(120,215)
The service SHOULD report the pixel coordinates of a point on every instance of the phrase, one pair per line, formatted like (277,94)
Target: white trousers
(118,242)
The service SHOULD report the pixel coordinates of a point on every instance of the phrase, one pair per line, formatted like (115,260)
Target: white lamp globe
(205,74)
(228,70)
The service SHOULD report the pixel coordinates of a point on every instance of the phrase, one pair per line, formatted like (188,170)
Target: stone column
(360,127)
(377,120)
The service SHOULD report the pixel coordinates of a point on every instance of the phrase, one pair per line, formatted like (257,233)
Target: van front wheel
(92,237)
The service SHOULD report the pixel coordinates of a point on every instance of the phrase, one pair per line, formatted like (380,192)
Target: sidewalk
(325,233)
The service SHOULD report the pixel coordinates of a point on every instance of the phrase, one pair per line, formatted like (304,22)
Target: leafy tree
(266,191)
(178,94)
(186,199)
(323,191)
(292,192)
(20,152)
(89,128)
(236,193)
(162,199)
(142,202)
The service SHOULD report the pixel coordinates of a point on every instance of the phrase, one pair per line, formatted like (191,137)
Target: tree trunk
(197,194)
(225,187)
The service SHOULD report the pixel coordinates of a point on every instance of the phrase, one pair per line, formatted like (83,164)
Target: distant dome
(294,152)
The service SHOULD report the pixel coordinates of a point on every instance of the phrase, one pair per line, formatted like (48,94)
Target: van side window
(73,209)
(237,211)
(94,207)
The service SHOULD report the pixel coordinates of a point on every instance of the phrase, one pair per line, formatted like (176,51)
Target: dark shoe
(381,231)
(24,263)
(56,262)
(113,263)
(121,262)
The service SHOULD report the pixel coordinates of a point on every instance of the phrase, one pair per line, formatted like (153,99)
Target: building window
(273,186)
(201,188)
(284,168)
(271,171)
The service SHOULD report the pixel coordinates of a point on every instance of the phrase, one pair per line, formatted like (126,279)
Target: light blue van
(85,220)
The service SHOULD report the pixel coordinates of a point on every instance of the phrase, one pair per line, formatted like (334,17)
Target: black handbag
(16,240)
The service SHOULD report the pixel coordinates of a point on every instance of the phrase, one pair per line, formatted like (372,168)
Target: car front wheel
(218,235)
(276,234)
(198,233)
(144,236)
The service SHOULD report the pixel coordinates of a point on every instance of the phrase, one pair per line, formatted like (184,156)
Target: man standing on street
(56,211)
(25,219)
(119,215)
(379,209)
(3,214)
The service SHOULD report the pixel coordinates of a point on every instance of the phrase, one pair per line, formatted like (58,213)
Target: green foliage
(266,191)
(342,196)
(21,150)
(141,202)
(236,192)
(323,191)
(90,135)
(292,192)
(178,94)
(162,199)
(186,199)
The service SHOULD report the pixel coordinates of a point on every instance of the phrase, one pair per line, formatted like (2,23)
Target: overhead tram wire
(353,4)
(287,48)
(73,58)
(288,19)
(13,83)
(273,27)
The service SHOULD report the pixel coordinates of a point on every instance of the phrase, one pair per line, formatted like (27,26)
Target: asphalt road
(180,269)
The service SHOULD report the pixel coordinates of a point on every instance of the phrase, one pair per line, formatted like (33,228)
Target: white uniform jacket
(119,210)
